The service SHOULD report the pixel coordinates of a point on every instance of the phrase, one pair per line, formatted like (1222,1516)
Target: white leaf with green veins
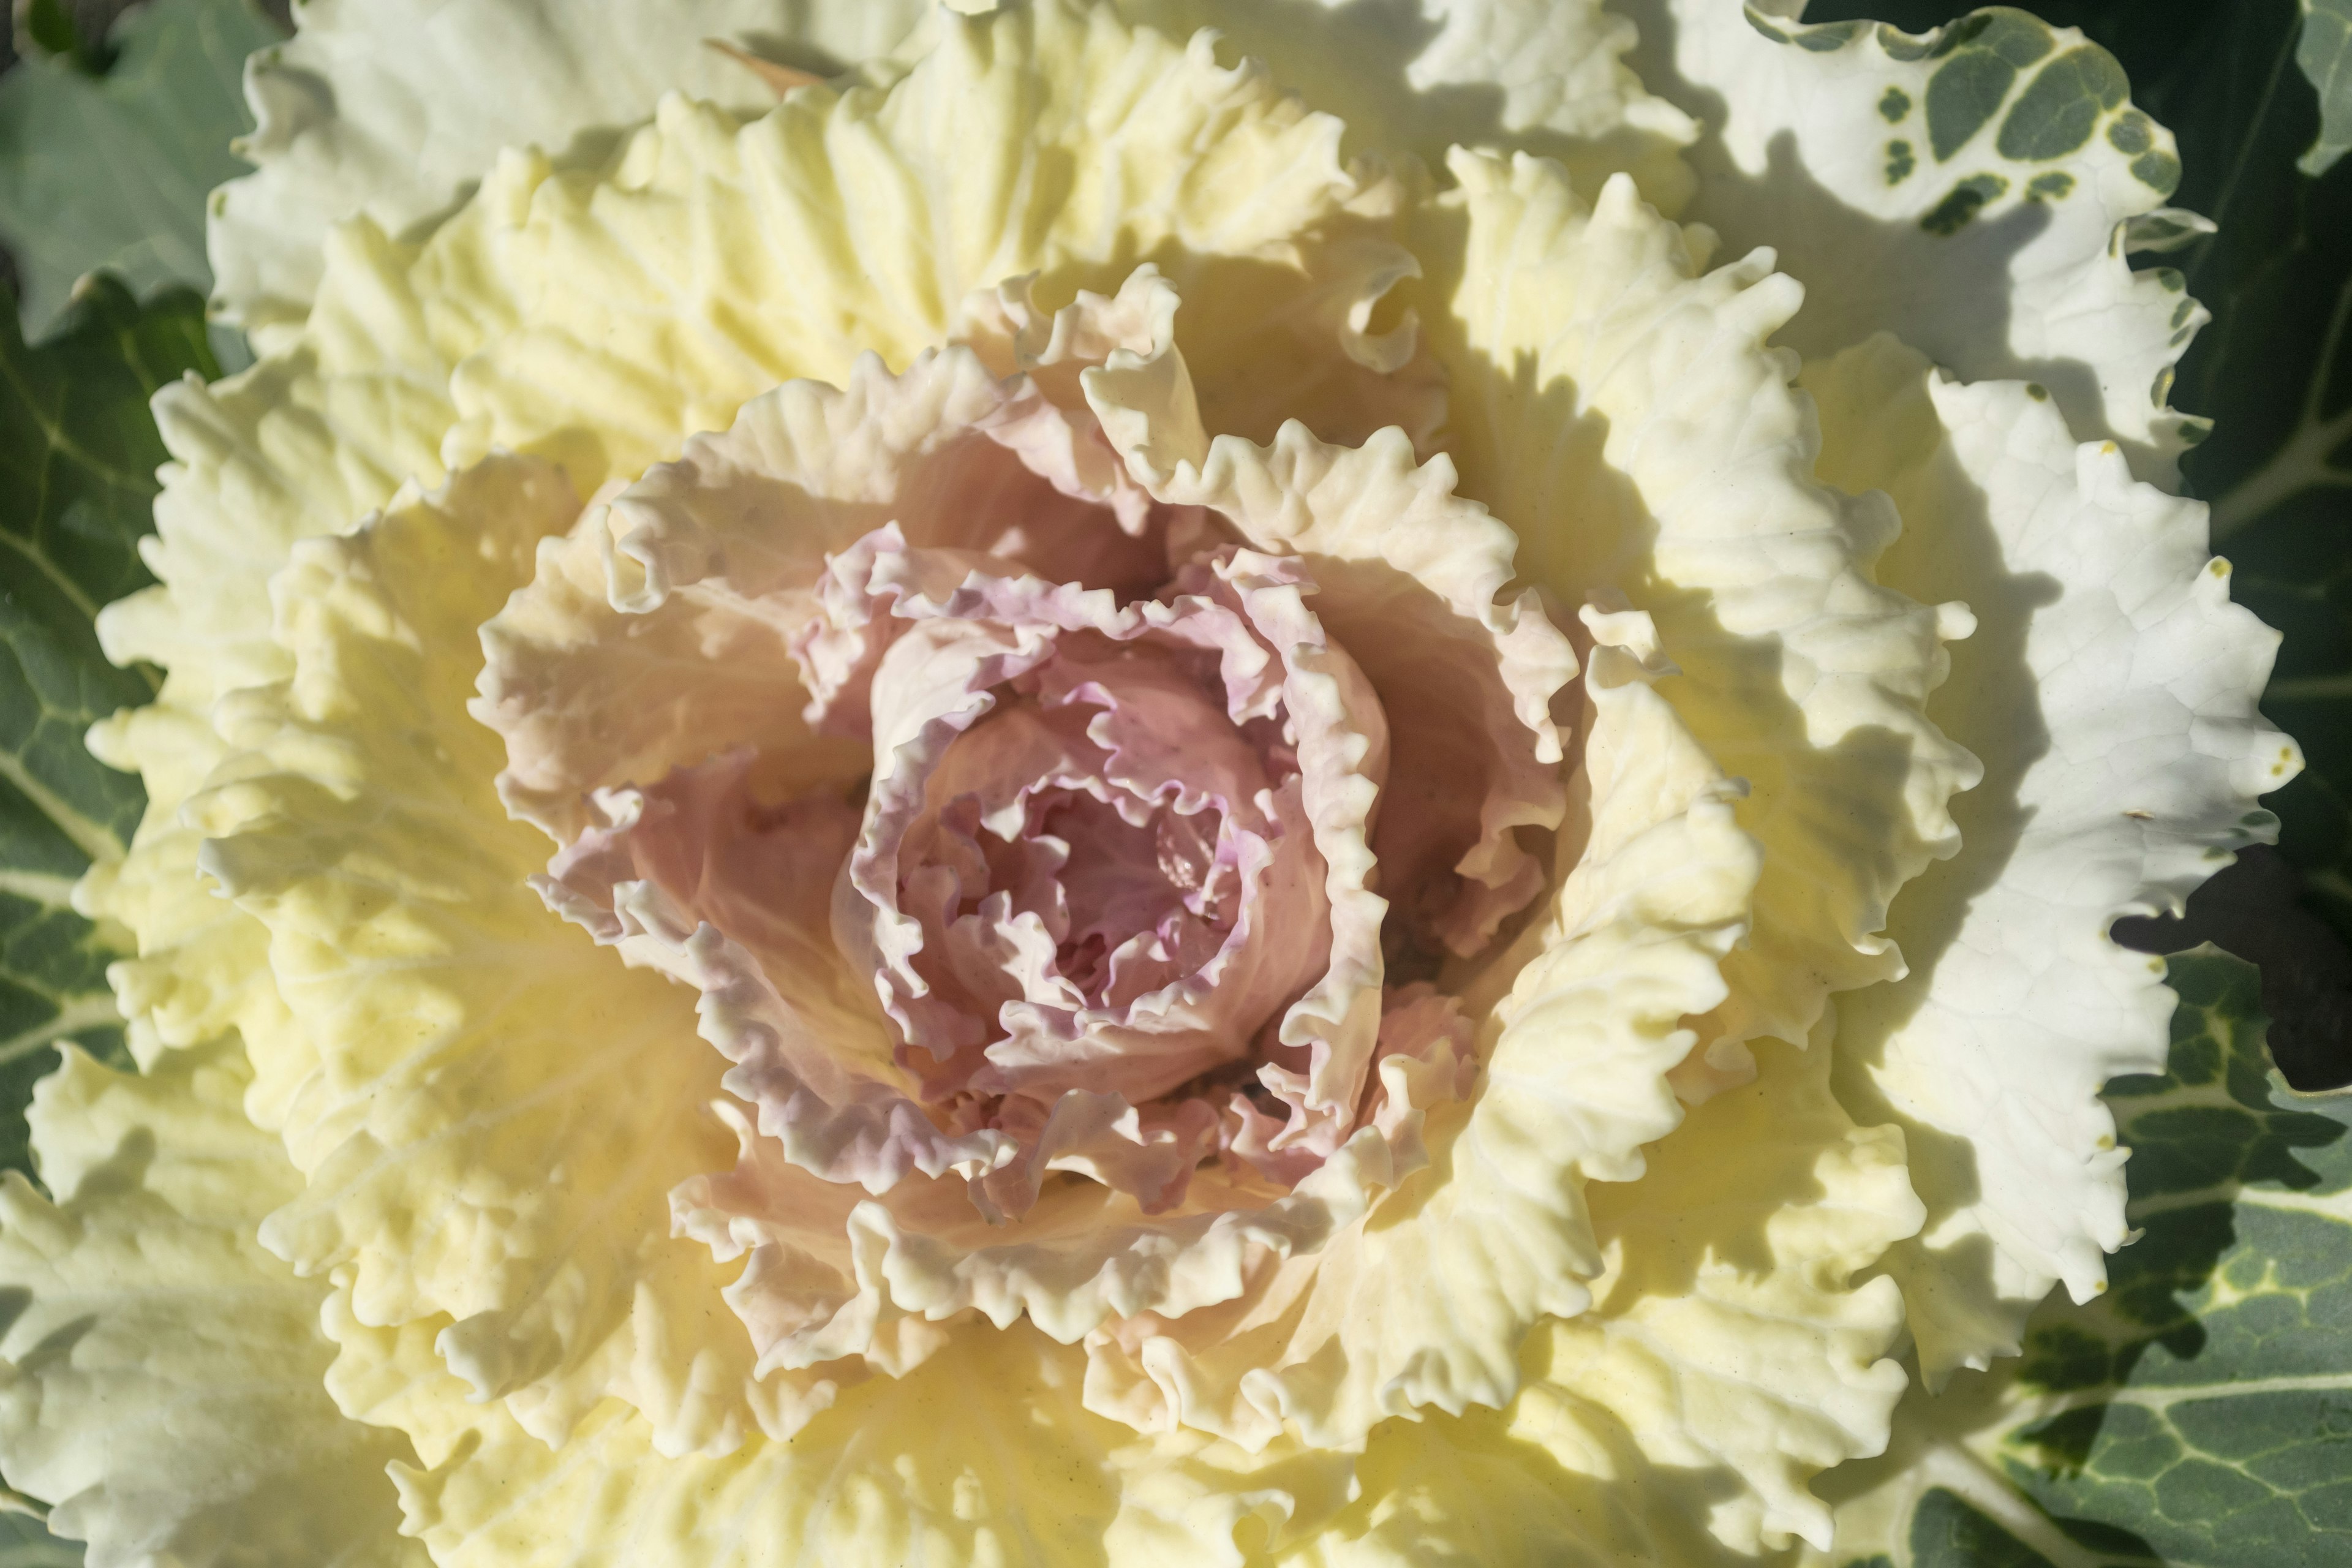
(2199,1413)
(1973,190)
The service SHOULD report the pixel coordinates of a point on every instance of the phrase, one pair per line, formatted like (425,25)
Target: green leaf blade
(78,452)
(2200,1412)
(25,1543)
(2222,1433)
(1947,1532)
(113,171)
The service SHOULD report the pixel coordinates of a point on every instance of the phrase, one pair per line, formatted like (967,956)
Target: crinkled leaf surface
(2274,369)
(78,456)
(1966,1506)
(111,171)
(2200,1412)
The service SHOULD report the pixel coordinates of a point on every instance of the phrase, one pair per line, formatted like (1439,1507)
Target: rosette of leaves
(2195,1414)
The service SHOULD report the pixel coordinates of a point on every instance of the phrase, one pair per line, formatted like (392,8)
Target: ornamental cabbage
(1127,780)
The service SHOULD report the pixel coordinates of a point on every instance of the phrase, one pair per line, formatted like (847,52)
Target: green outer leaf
(78,456)
(2275,371)
(2325,53)
(24,1545)
(1947,1531)
(2199,1413)
(49,27)
(44,1551)
(113,171)
(2204,1405)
